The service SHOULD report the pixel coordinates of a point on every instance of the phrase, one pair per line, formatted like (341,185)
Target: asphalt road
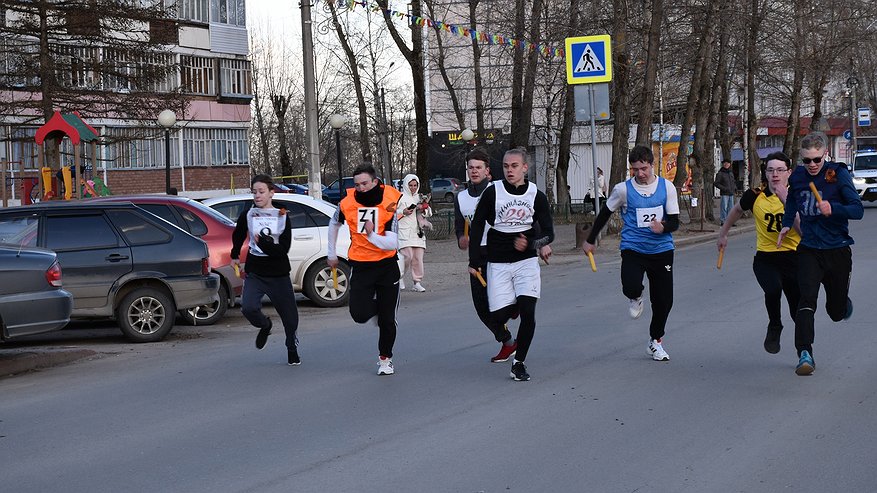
(205,411)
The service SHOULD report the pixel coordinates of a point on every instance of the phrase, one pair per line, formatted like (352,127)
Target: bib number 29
(364,214)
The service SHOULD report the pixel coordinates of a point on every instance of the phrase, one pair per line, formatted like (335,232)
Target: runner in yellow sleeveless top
(775,266)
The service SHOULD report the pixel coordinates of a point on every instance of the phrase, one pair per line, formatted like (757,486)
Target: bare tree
(647,103)
(414,56)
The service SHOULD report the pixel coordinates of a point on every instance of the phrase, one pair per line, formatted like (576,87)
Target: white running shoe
(656,351)
(417,287)
(401,285)
(385,366)
(636,307)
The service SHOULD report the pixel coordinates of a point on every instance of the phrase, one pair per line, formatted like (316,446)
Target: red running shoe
(505,352)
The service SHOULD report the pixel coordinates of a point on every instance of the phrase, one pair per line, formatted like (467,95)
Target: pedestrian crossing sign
(588,59)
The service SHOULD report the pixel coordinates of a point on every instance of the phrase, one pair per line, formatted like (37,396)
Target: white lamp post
(167,119)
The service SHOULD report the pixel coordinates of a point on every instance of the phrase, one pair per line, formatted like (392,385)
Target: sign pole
(594,147)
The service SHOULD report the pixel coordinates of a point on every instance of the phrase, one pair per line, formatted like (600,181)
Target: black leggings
(482,308)
(777,273)
(526,306)
(659,269)
(832,269)
(374,290)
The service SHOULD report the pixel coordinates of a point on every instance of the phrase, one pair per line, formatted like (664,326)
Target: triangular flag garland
(461,31)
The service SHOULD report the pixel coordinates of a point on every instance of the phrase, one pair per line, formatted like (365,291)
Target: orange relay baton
(815,192)
(480,279)
(721,257)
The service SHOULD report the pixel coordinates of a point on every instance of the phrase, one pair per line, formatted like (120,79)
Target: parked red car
(206,223)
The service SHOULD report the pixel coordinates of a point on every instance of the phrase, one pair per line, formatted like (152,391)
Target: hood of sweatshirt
(405,190)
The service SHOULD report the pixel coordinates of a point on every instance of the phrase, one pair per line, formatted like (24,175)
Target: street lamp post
(167,119)
(337,121)
(468,136)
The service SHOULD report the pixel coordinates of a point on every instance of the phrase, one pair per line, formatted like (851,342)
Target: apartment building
(208,46)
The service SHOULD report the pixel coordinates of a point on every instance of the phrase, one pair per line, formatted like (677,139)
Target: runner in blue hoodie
(824,254)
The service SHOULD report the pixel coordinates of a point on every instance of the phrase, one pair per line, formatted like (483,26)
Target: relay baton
(466,227)
(815,192)
(237,270)
(591,260)
(334,277)
(721,257)
(480,279)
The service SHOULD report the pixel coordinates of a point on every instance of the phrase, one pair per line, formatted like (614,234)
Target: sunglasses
(807,160)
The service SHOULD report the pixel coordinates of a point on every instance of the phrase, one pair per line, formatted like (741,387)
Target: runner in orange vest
(369,209)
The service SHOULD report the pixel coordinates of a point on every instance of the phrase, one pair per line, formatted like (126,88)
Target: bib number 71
(365,214)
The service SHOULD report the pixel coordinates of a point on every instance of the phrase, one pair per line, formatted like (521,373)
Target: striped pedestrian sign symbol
(588,62)
(588,59)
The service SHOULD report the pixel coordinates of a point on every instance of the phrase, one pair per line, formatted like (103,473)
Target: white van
(865,175)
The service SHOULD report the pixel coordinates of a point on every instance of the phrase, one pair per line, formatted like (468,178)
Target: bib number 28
(364,214)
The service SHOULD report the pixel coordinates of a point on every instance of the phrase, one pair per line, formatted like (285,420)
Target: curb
(21,362)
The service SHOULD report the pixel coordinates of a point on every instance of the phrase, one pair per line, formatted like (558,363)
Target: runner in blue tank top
(650,211)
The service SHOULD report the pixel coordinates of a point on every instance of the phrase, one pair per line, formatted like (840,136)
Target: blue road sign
(588,59)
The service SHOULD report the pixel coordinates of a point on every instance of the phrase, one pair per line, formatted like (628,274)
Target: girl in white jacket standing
(412,211)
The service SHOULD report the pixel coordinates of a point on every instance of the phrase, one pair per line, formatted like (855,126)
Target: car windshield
(866,163)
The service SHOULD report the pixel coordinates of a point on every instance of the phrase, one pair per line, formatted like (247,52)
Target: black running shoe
(772,339)
(262,337)
(519,372)
(849,312)
(292,357)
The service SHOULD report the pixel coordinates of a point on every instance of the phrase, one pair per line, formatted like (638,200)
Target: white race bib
(266,225)
(645,215)
(364,214)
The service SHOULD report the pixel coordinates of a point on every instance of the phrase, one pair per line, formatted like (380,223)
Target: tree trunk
(718,82)
(517,77)
(647,103)
(476,69)
(280,104)
(691,102)
(364,142)
(414,57)
(621,95)
(752,118)
(566,127)
(526,118)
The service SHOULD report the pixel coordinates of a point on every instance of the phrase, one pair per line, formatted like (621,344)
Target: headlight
(859,181)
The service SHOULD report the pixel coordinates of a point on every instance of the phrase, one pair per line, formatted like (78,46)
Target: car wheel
(449,198)
(146,315)
(319,287)
(208,314)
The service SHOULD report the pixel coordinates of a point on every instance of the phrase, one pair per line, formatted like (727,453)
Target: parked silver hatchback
(31,298)
(119,262)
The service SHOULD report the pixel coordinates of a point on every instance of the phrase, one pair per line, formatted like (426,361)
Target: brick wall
(126,182)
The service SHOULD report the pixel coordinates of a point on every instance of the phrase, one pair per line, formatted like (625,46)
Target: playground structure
(72,126)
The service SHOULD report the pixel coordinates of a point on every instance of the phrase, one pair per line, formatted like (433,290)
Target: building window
(194,10)
(215,147)
(18,60)
(22,147)
(137,148)
(77,66)
(149,73)
(197,75)
(228,12)
(164,31)
(234,78)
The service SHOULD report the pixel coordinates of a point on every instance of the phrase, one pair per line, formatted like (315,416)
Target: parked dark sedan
(31,298)
(119,261)
(206,223)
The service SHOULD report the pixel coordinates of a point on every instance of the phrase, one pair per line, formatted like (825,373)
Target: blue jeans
(279,291)
(727,205)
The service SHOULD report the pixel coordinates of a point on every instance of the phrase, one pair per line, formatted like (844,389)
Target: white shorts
(505,282)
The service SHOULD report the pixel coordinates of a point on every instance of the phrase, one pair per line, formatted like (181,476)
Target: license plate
(872,190)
